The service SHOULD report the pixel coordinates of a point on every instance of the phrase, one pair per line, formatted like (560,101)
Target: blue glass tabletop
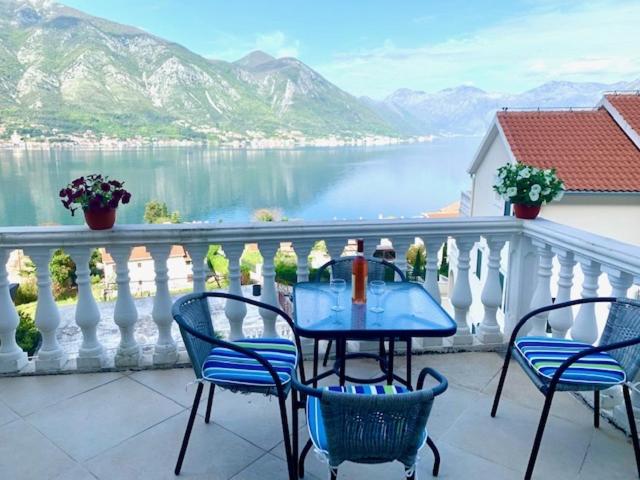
(408,310)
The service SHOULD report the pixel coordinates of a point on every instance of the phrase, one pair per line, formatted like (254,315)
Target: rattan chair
(378,269)
(370,423)
(252,365)
(559,364)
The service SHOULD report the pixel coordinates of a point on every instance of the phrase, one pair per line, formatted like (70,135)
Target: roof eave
(495,130)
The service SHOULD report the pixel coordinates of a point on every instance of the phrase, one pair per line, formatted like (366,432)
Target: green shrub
(444,264)
(27,292)
(27,335)
(417,260)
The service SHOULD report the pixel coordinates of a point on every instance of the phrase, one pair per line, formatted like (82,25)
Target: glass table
(409,312)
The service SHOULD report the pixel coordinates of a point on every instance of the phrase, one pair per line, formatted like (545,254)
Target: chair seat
(315,421)
(231,369)
(545,354)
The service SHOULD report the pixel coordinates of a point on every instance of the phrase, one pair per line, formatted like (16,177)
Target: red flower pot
(101,218)
(527,212)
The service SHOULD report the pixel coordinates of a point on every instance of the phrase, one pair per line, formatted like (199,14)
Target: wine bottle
(359,276)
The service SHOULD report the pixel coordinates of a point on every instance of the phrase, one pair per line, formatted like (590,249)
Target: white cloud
(230,47)
(575,41)
(277,44)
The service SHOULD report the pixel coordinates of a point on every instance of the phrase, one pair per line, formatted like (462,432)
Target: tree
(417,258)
(444,264)
(158,212)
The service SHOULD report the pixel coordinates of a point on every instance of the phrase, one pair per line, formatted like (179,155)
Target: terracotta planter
(100,219)
(527,212)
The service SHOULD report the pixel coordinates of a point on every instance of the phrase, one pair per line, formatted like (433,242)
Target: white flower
(499,181)
(546,191)
(536,188)
(534,196)
(559,195)
(524,173)
(503,173)
(535,170)
(512,191)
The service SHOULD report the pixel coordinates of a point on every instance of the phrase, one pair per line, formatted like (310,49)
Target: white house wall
(484,201)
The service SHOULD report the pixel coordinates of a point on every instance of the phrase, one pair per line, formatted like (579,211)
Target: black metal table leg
(341,347)
(316,343)
(409,354)
(390,362)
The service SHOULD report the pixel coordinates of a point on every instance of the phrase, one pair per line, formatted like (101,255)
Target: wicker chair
(370,424)
(559,364)
(250,365)
(378,269)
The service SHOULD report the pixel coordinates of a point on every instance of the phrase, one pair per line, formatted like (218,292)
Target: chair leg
(411,476)
(316,346)
(212,389)
(632,425)
(409,352)
(503,376)
(334,473)
(539,433)
(327,352)
(303,455)
(436,456)
(596,408)
(187,433)
(285,434)
(294,427)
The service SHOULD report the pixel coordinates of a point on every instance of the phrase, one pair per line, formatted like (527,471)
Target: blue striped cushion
(229,368)
(546,354)
(315,423)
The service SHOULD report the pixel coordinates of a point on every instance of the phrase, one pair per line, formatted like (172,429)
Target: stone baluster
(236,311)
(125,314)
(432,246)
(489,330)
(620,282)
(165,351)
(198,254)
(335,247)
(585,327)
(303,249)
(12,358)
(50,356)
(92,355)
(561,320)
(461,297)
(542,293)
(401,246)
(268,250)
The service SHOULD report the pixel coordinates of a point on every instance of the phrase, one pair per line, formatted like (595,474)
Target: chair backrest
(378,269)
(623,324)
(193,311)
(375,428)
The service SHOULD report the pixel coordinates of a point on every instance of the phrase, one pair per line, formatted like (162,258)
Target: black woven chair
(250,365)
(559,364)
(370,424)
(378,269)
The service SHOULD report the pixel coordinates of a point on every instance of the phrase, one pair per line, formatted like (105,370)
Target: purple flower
(126,196)
(63,193)
(105,187)
(116,183)
(77,182)
(113,203)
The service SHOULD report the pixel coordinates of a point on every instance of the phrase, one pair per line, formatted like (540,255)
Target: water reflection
(213,184)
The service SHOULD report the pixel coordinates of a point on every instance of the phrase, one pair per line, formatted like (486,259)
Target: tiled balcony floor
(129,426)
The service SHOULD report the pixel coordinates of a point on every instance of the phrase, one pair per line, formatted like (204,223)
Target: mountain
(468,110)
(66,70)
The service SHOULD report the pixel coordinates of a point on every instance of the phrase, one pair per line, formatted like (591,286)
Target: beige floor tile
(77,473)
(176,383)
(26,395)
(213,453)
(610,456)
(6,414)
(268,467)
(448,407)
(507,439)
(26,454)
(88,424)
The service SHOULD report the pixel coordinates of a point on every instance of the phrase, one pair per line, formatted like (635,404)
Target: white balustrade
(432,246)
(303,250)
(235,311)
(198,254)
(268,250)
(542,293)
(585,327)
(50,356)
(489,330)
(165,351)
(620,282)
(125,313)
(461,298)
(91,355)
(401,246)
(12,358)
(335,247)
(561,320)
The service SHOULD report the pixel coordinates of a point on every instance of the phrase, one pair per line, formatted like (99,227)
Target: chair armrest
(555,306)
(589,351)
(442,381)
(304,389)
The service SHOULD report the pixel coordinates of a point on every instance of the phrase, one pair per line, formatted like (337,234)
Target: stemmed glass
(377,288)
(337,285)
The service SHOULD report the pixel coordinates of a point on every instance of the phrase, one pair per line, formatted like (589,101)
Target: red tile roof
(628,105)
(588,148)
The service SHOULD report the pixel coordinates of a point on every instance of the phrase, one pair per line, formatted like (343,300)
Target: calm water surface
(213,184)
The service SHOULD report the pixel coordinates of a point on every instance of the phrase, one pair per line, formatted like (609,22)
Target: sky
(373,47)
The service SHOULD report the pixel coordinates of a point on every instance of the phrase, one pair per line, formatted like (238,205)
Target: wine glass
(377,288)
(337,285)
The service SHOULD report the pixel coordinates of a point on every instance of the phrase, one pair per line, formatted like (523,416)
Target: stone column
(401,246)
(12,358)
(432,246)
(489,330)
(585,327)
(198,254)
(303,250)
(269,295)
(165,351)
(461,297)
(542,293)
(235,311)
(91,355)
(561,320)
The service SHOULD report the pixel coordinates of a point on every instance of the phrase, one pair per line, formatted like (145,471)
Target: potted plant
(528,188)
(98,197)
